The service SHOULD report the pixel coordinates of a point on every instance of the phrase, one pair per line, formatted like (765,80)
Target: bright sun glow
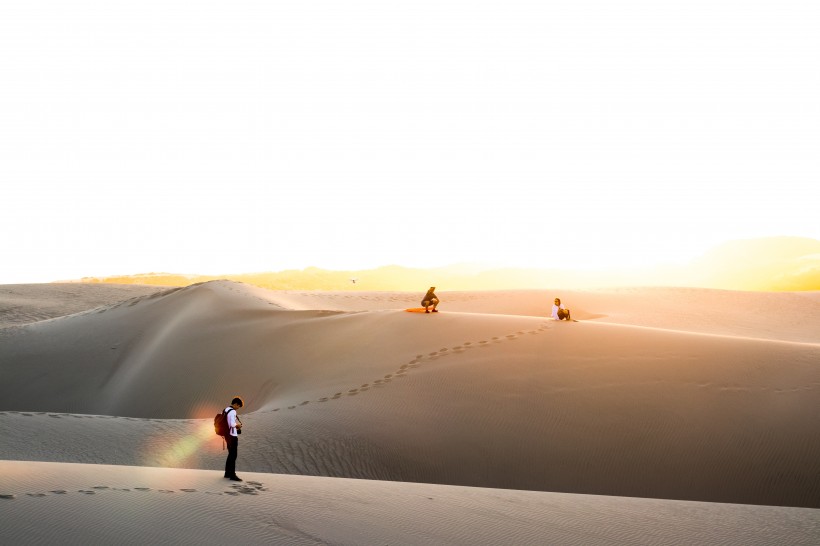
(209,137)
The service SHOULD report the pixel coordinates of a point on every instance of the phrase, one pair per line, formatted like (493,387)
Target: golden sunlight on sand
(662,414)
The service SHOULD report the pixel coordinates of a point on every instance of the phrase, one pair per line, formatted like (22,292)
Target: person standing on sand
(232,438)
(430,299)
(559,312)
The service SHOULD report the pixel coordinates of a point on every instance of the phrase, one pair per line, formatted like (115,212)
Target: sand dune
(139,505)
(26,303)
(786,316)
(688,394)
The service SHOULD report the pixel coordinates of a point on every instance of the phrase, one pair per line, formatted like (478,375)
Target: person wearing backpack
(232,438)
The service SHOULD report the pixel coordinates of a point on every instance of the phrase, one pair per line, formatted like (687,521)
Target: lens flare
(182,450)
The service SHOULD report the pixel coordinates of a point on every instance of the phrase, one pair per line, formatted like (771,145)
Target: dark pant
(230,462)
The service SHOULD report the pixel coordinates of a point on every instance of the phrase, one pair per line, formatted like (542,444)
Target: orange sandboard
(416,310)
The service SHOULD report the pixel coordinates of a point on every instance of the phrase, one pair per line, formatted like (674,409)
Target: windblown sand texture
(669,394)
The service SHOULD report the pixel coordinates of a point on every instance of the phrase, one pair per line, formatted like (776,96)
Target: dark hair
(238,401)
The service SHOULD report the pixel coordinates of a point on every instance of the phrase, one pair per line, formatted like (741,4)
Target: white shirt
(555,309)
(231,420)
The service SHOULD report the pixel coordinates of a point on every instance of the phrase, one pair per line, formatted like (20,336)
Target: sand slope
(99,504)
(26,303)
(633,400)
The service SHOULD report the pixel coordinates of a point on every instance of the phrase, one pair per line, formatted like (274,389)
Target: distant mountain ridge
(764,264)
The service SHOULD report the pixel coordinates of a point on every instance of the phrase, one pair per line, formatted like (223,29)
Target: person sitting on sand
(430,299)
(235,429)
(559,312)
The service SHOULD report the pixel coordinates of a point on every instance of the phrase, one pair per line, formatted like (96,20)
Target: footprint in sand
(58,491)
(246,489)
(404,366)
(100,487)
(291,407)
(305,402)
(353,391)
(142,488)
(36,494)
(7,497)
(388,376)
(365,385)
(444,350)
(323,399)
(189,490)
(86,492)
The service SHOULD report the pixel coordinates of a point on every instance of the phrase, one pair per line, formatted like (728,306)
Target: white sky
(227,137)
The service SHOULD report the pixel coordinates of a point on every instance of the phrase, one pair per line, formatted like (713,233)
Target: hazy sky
(221,137)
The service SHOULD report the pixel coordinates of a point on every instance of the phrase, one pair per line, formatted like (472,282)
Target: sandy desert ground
(665,415)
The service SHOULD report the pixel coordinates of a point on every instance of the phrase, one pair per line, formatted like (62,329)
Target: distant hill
(766,264)
(771,264)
